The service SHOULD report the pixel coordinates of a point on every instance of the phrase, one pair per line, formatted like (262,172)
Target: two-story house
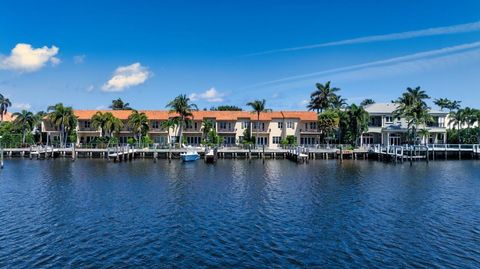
(386,129)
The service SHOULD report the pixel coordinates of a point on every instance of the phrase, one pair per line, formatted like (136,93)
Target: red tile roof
(8,117)
(200,115)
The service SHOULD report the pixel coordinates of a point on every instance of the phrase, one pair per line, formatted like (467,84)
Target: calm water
(237,214)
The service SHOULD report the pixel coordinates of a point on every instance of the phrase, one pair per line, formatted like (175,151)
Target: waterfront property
(272,127)
(386,129)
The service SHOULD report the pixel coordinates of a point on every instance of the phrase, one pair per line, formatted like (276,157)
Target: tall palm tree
(424,132)
(4,104)
(39,116)
(138,122)
(358,122)
(458,118)
(107,123)
(258,106)
(445,103)
(171,123)
(321,98)
(26,120)
(118,104)
(337,102)
(63,118)
(207,126)
(183,108)
(413,107)
(470,116)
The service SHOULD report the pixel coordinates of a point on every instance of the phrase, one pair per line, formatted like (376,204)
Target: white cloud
(90,88)
(126,76)
(446,30)
(390,61)
(210,95)
(21,106)
(24,58)
(79,59)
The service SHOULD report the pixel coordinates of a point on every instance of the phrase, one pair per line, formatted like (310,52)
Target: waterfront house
(272,127)
(385,129)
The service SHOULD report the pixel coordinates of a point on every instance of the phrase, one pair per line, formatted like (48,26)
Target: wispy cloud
(211,96)
(79,59)
(446,30)
(390,61)
(21,106)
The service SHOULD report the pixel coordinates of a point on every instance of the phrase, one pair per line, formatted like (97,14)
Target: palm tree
(63,118)
(367,102)
(458,118)
(118,104)
(321,98)
(107,123)
(207,126)
(337,102)
(328,122)
(39,116)
(258,106)
(470,116)
(26,120)
(171,123)
(412,106)
(357,121)
(138,122)
(424,132)
(447,103)
(183,108)
(4,104)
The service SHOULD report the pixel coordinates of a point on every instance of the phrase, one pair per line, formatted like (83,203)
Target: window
(155,125)
(261,125)
(86,124)
(189,125)
(280,125)
(245,124)
(290,124)
(388,119)
(313,125)
(223,125)
(277,139)
(196,125)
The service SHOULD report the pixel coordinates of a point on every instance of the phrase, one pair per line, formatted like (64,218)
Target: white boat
(190,156)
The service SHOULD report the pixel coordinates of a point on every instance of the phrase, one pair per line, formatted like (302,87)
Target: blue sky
(231,52)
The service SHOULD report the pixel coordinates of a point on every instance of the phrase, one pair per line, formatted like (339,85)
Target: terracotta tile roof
(8,117)
(200,115)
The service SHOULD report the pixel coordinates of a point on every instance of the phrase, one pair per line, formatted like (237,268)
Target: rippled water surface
(237,214)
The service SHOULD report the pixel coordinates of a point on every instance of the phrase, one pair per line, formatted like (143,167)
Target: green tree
(321,98)
(26,120)
(328,123)
(445,103)
(107,123)
(118,104)
(4,104)
(367,102)
(138,123)
(207,126)
(337,102)
(182,106)
(226,108)
(413,107)
(258,106)
(64,119)
(357,121)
